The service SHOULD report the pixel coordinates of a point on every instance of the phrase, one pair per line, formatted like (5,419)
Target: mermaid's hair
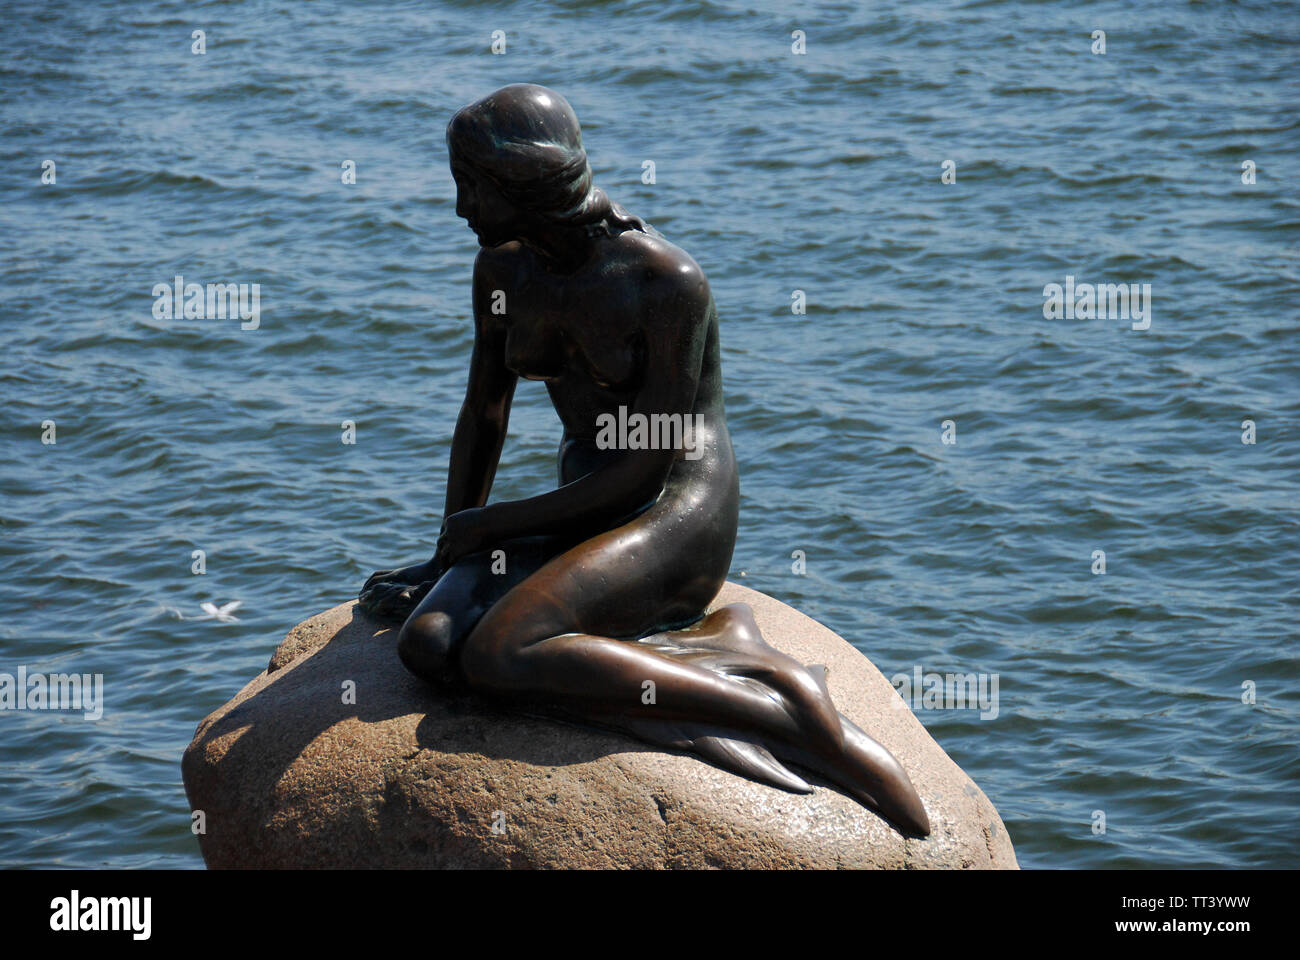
(526,139)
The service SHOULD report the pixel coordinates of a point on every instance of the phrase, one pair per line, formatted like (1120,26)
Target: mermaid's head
(521,147)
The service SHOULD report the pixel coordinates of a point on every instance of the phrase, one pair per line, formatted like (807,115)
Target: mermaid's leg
(858,764)
(445,611)
(716,688)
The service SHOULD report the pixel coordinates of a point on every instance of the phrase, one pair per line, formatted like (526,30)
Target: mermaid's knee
(427,645)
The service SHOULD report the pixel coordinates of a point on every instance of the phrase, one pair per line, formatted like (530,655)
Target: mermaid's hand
(406,576)
(393,601)
(462,533)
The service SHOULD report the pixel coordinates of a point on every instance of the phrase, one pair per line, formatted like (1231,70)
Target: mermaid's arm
(475,453)
(484,416)
(588,505)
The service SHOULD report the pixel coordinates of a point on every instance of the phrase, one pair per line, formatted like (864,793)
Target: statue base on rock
(338,757)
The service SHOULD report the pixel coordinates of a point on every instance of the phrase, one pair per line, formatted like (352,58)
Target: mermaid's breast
(535,352)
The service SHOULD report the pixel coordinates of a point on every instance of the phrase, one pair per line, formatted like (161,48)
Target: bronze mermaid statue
(587,603)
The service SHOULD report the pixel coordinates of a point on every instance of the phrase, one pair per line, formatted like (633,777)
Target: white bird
(223,613)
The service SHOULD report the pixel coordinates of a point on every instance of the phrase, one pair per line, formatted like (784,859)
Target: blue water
(1120,693)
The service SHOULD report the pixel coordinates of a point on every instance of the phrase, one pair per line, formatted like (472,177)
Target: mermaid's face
(489,214)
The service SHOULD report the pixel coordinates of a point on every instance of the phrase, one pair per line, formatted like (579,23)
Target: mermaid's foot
(864,769)
(746,758)
(870,774)
(729,642)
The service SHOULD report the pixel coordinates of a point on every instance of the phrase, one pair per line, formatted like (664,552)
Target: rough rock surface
(291,774)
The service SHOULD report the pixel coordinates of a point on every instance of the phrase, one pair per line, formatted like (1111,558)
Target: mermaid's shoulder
(664,270)
(499,259)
